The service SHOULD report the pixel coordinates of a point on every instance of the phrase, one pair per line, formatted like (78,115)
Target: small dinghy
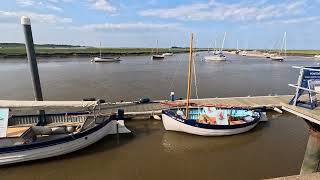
(210,121)
(32,137)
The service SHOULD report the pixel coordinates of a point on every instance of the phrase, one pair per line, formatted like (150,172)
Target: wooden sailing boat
(157,56)
(208,121)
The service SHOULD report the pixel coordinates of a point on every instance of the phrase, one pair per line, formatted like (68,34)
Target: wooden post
(26,24)
(189,76)
(312,155)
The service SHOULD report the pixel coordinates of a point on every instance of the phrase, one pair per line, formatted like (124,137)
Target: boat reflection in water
(175,142)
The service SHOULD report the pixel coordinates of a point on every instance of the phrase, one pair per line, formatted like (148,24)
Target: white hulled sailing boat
(105,59)
(278,57)
(208,120)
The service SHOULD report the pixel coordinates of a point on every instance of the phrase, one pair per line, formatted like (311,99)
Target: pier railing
(308,81)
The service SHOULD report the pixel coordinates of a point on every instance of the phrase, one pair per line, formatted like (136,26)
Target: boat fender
(277,110)
(156,117)
(70,129)
(59,130)
(40,130)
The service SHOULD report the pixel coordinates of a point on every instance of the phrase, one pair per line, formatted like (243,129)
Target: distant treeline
(5,45)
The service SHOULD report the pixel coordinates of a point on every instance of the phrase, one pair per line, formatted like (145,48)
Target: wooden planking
(255,101)
(16,131)
(311,115)
(312,176)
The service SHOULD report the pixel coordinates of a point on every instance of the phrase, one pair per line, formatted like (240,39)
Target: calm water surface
(273,149)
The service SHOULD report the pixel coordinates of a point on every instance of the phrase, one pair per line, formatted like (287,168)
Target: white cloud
(102,5)
(26,2)
(14,17)
(123,26)
(216,11)
(311,19)
(49,4)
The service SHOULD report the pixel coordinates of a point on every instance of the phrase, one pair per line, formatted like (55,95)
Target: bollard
(26,24)
(119,117)
(172,96)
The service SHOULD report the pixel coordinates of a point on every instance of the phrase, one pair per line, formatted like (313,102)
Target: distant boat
(167,54)
(106,59)
(208,120)
(217,55)
(278,57)
(101,59)
(317,56)
(157,56)
(238,50)
(244,53)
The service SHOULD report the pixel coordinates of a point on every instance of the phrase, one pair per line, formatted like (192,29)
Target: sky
(140,23)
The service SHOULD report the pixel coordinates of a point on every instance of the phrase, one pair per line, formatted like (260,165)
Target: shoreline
(19,52)
(11,53)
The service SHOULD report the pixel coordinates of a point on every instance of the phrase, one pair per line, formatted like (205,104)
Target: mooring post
(311,161)
(26,23)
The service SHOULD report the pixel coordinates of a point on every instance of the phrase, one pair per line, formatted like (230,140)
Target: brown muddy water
(272,149)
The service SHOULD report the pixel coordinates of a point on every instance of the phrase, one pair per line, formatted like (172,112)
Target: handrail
(299,87)
(301,67)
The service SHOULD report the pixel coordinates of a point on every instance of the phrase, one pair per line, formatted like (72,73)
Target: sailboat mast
(157,51)
(224,38)
(100,49)
(285,43)
(189,76)
(237,45)
(215,45)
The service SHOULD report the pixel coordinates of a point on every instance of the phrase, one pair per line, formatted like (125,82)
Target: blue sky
(139,23)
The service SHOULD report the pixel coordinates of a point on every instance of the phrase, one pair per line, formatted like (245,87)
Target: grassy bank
(16,50)
(19,51)
(303,52)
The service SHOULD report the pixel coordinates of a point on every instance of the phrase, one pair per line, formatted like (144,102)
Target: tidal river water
(274,148)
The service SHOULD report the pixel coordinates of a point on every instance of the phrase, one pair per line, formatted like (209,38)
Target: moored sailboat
(101,59)
(206,120)
(217,56)
(157,56)
(278,57)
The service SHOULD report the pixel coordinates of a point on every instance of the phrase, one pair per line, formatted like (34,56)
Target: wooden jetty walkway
(135,109)
(149,109)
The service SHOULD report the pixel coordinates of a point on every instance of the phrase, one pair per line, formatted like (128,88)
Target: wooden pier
(149,109)
(308,114)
